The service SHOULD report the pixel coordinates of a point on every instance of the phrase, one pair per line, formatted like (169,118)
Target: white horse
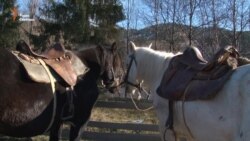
(224,118)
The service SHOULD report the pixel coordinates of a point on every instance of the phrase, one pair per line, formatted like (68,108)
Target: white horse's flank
(224,118)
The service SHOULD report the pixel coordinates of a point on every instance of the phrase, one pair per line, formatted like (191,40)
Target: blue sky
(22,6)
(137,8)
(140,14)
(138,11)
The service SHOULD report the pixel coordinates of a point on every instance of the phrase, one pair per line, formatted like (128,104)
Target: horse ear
(132,47)
(150,45)
(114,47)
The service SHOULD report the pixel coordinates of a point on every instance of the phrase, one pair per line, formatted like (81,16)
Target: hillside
(202,37)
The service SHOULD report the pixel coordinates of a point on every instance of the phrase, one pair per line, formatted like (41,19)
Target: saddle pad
(35,71)
(80,68)
(205,90)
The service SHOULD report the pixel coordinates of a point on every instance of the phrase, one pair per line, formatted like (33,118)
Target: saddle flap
(175,81)
(64,69)
(205,90)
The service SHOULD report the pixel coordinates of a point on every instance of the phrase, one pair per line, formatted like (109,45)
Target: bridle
(139,85)
(126,81)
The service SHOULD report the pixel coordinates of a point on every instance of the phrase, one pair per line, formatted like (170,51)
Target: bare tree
(156,18)
(193,4)
(128,24)
(210,14)
(153,17)
(215,24)
(132,19)
(168,9)
(237,19)
(206,22)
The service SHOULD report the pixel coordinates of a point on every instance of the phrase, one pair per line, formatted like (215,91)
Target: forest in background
(70,21)
(169,24)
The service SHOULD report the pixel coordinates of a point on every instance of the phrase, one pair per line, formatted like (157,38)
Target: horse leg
(76,132)
(55,132)
(77,127)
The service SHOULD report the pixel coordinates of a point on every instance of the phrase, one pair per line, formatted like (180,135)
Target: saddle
(56,57)
(190,77)
(53,52)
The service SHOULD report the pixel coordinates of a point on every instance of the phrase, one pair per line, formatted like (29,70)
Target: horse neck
(151,68)
(89,54)
(90,57)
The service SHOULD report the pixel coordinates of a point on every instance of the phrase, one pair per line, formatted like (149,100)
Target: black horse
(27,107)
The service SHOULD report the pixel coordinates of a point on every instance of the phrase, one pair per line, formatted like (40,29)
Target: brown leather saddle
(56,57)
(190,77)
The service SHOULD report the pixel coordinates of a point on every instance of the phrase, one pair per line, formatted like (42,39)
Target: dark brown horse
(27,107)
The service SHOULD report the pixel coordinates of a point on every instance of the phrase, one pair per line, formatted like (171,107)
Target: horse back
(21,100)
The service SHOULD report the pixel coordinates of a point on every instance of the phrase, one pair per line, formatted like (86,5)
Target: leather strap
(52,82)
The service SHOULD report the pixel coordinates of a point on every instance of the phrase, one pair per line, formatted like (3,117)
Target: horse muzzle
(111,85)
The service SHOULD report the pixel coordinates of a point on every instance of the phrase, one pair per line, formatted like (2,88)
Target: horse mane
(152,60)
(156,54)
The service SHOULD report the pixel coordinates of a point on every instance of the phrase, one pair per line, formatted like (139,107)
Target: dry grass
(123,116)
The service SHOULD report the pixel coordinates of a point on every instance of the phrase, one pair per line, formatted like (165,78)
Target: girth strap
(52,82)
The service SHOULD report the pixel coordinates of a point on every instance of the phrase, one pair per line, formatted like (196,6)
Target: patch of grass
(123,115)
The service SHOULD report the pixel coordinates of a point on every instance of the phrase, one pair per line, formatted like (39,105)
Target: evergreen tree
(106,13)
(9,33)
(81,21)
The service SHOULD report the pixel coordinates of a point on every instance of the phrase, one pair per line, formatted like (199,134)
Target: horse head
(112,67)
(132,63)
(108,61)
